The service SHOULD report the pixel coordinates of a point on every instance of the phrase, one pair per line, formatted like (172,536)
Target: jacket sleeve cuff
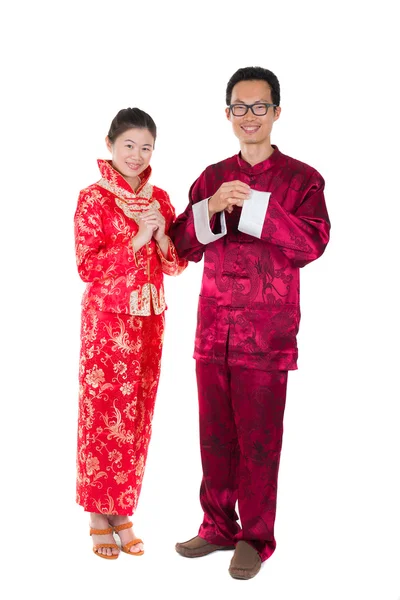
(253,213)
(171,265)
(171,256)
(202,227)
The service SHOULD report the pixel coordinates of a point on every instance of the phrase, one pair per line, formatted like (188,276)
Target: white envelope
(253,213)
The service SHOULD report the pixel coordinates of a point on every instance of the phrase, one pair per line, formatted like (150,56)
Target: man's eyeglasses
(259,109)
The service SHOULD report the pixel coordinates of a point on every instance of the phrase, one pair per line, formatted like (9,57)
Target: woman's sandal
(97,546)
(128,546)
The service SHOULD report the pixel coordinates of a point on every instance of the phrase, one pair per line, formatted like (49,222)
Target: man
(257,217)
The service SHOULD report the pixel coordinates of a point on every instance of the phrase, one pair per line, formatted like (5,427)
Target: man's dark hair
(252,74)
(129,118)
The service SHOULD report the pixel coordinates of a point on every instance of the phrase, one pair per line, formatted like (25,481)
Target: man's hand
(230,194)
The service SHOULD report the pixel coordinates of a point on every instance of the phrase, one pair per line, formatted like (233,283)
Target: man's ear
(228,113)
(277,113)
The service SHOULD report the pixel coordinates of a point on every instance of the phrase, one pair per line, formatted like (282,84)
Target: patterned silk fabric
(120,280)
(249,301)
(241,428)
(121,338)
(118,379)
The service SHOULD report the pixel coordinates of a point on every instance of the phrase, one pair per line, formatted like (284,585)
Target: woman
(122,249)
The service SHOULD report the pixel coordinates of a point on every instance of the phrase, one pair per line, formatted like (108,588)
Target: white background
(66,71)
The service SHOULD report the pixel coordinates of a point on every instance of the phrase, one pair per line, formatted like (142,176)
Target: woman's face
(131,152)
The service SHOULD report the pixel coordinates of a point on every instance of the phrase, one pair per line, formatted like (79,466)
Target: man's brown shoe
(246,561)
(198,547)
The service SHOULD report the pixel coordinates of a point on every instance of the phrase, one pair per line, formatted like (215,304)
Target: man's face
(252,129)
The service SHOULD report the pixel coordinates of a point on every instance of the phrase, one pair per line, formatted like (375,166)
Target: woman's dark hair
(128,118)
(251,74)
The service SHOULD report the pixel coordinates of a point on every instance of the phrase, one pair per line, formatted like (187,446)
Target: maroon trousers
(241,427)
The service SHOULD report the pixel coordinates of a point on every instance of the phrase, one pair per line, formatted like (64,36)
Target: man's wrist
(211,211)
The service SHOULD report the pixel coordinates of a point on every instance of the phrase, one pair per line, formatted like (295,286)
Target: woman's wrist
(163,244)
(137,242)
(163,240)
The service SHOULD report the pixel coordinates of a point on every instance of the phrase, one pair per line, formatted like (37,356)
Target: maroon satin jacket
(249,309)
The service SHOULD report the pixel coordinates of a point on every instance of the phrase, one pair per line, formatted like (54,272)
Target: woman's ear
(108,144)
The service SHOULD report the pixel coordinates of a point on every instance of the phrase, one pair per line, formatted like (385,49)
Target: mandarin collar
(259,167)
(116,180)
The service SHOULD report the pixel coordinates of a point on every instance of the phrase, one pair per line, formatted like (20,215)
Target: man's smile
(250,128)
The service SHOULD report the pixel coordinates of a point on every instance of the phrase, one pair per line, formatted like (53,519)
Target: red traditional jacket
(119,279)
(249,310)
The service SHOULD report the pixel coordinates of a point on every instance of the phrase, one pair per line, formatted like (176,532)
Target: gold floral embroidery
(120,367)
(142,307)
(95,377)
(128,498)
(116,429)
(107,506)
(145,192)
(92,464)
(139,471)
(87,411)
(115,457)
(130,410)
(121,340)
(121,477)
(133,211)
(126,388)
(158,302)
